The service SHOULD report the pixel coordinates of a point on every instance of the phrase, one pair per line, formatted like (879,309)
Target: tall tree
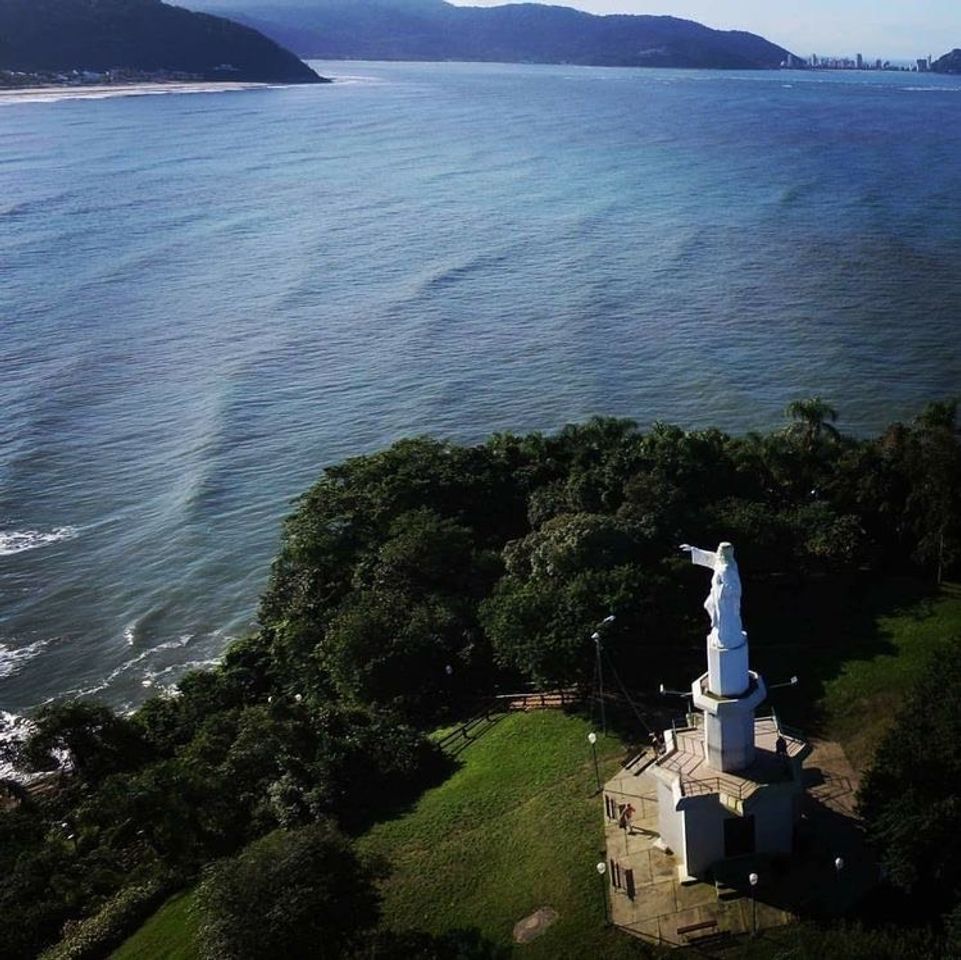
(813,421)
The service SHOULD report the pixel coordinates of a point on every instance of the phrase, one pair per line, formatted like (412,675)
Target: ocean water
(206,299)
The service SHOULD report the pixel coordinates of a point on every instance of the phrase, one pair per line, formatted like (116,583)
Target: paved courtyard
(648,900)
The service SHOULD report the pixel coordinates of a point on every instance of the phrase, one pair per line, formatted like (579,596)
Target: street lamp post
(592,739)
(596,637)
(601,871)
(753,880)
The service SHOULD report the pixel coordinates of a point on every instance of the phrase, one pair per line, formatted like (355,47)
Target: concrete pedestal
(728,723)
(727,667)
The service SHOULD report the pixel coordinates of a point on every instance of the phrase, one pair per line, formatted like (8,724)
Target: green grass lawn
(168,935)
(514,829)
(860,702)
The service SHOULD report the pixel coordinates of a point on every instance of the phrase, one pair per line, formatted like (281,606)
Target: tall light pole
(601,870)
(592,740)
(752,879)
(596,637)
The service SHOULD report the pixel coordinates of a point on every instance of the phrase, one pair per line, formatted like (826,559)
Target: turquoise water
(207,298)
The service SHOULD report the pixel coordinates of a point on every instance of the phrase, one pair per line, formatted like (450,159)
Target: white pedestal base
(727,667)
(728,723)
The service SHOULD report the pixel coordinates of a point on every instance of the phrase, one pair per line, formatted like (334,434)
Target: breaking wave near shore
(13,659)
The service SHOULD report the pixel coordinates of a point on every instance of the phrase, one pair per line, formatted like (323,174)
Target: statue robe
(723,603)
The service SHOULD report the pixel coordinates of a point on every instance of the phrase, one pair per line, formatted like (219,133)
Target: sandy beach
(53,94)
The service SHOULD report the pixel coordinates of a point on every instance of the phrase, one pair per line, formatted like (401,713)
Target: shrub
(298,893)
(98,935)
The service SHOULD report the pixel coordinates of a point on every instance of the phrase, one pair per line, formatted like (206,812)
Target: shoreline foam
(105,91)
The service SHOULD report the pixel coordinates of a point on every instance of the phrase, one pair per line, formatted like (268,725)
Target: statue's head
(725,552)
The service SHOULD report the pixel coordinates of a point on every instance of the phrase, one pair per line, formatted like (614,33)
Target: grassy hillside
(860,702)
(514,829)
(167,935)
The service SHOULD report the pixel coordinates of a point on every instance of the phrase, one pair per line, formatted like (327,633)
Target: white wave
(176,644)
(12,659)
(344,80)
(14,729)
(17,541)
(151,667)
(142,658)
(184,667)
(166,681)
(58,94)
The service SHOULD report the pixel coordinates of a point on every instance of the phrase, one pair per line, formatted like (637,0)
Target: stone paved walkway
(807,885)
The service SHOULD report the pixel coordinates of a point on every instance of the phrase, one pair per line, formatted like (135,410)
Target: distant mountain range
(524,32)
(139,35)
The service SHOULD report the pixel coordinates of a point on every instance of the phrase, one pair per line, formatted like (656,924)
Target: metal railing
(463,731)
(702,786)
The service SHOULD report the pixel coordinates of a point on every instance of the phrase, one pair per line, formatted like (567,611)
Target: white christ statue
(723,603)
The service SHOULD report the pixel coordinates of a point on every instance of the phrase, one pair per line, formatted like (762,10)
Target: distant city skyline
(901,29)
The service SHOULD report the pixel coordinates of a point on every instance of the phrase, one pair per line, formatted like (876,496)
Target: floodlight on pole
(596,637)
(592,740)
(601,870)
(753,879)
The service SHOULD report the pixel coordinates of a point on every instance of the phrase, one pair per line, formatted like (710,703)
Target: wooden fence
(507,703)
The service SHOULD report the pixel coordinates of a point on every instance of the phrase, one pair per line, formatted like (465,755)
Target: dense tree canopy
(911,798)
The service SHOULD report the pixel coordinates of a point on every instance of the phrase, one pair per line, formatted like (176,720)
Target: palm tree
(813,419)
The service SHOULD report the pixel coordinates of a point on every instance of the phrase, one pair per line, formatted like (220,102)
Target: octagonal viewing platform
(683,762)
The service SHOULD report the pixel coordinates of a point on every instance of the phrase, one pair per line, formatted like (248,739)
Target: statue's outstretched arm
(703,558)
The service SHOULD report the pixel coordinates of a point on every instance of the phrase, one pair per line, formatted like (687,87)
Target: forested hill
(949,63)
(414,583)
(525,32)
(139,35)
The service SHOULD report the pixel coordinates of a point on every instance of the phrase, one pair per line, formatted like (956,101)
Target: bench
(694,927)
